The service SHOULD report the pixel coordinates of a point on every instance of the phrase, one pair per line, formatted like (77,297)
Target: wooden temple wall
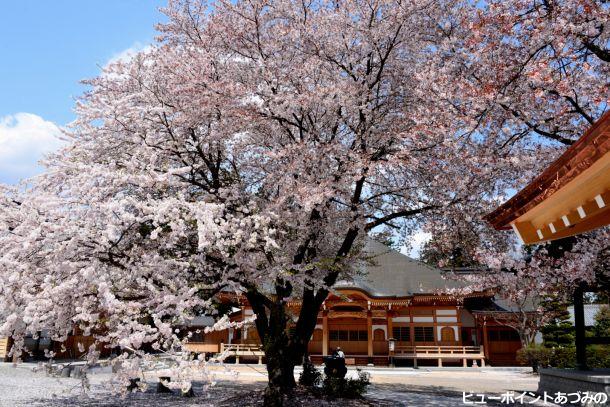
(362,327)
(367,333)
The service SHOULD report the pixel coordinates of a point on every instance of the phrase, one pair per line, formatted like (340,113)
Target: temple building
(396,311)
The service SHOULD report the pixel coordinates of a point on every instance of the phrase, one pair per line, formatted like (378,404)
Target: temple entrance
(448,336)
(350,334)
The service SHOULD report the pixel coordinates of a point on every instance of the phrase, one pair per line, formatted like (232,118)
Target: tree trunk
(273,331)
(284,350)
(281,376)
(524,338)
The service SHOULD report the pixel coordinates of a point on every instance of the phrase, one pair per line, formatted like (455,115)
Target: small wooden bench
(350,361)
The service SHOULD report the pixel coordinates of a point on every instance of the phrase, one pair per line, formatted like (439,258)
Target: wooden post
(579,328)
(440,362)
(390,334)
(435,333)
(325,333)
(369,327)
(390,324)
(485,340)
(244,329)
(411,327)
(459,325)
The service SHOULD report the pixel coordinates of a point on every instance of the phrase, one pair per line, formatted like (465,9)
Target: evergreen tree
(558,332)
(601,329)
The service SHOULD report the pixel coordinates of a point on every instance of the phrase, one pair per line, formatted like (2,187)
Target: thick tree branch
(599,52)
(400,214)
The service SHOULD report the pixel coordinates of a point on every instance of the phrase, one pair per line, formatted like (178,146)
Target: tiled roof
(391,273)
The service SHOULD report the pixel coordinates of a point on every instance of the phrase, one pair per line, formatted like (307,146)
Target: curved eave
(570,197)
(375,300)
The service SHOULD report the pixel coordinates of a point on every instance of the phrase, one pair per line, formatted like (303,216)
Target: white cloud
(127,54)
(24,139)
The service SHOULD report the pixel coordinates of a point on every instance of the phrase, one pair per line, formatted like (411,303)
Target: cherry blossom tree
(532,75)
(255,146)
(536,68)
(524,279)
(252,149)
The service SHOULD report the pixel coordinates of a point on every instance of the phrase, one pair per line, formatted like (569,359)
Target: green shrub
(346,388)
(535,356)
(356,388)
(563,357)
(310,376)
(598,356)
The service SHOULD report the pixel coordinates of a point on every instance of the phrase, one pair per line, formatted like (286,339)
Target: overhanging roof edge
(563,170)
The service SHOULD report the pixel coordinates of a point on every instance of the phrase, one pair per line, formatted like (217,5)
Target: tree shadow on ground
(247,394)
(212,396)
(223,394)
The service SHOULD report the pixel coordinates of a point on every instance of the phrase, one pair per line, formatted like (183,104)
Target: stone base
(553,381)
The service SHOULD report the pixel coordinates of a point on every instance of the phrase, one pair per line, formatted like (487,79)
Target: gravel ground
(390,387)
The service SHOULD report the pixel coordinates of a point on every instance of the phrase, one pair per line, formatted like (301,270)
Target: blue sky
(46,48)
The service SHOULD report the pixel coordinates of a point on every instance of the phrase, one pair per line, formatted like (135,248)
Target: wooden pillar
(244,329)
(411,327)
(369,327)
(579,328)
(459,326)
(436,338)
(390,334)
(324,333)
(485,342)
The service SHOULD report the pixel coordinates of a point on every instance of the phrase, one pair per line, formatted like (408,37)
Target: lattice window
(351,336)
(401,333)
(424,334)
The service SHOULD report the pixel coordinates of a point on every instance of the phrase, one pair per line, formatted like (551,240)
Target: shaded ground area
(390,387)
(244,394)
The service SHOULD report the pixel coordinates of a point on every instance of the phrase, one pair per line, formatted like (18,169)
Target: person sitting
(334,366)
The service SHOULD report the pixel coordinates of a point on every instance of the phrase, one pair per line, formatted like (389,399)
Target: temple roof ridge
(386,272)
